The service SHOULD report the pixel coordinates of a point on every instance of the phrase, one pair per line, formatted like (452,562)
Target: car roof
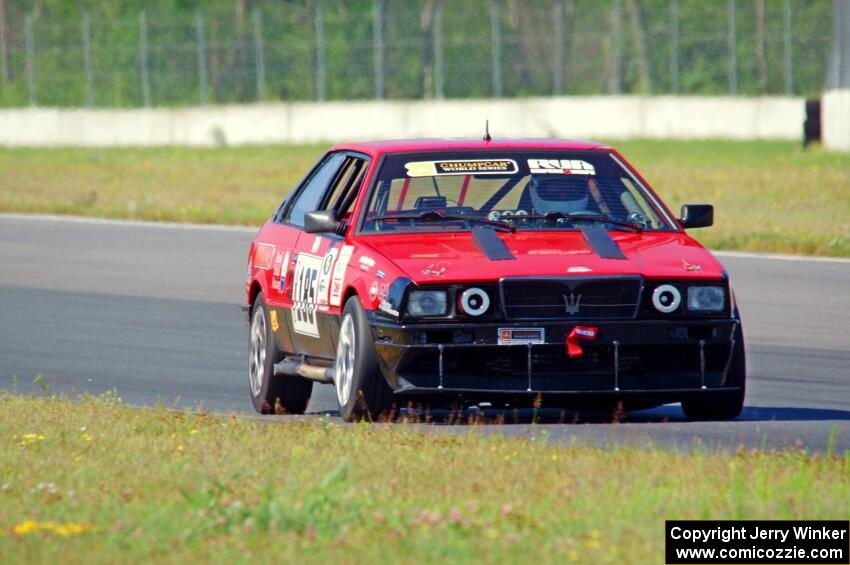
(376,148)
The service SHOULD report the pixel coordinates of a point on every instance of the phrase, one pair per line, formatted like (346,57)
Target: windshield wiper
(552,217)
(606,219)
(435,216)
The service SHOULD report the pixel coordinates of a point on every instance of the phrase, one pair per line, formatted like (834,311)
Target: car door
(280,237)
(319,260)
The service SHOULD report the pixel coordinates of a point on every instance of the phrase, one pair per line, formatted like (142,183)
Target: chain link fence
(171,53)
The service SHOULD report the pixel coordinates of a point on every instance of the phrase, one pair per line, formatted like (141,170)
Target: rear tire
(362,392)
(270,393)
(723,405)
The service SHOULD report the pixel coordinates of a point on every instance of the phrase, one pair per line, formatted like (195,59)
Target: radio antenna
(487,137)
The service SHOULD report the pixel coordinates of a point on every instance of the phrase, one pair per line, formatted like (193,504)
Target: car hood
(455,256)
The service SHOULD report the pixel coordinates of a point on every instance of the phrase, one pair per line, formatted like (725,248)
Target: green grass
(94,481)
(242,185)
(770,196)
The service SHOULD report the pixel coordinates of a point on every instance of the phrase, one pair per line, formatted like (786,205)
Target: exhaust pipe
(292,366)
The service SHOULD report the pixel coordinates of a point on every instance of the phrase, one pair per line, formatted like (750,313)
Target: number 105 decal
(304,294)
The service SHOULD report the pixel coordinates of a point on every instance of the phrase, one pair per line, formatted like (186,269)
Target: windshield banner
(560,167)
(461,167)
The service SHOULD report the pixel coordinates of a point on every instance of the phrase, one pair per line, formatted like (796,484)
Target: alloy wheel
(344,364)
(257,358)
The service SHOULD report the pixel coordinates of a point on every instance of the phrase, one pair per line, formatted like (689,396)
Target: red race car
(507,272)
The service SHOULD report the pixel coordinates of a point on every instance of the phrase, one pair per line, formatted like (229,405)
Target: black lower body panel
(659,359)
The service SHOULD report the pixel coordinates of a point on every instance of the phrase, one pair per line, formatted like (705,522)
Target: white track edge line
(126,223)
(780,257)
(248,229)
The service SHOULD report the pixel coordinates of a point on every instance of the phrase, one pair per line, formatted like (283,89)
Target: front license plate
(514,336)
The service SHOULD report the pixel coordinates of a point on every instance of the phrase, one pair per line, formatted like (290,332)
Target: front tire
(270,393)
(362,392)
(725,405)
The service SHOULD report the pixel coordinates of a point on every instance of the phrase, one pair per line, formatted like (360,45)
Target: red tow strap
(579,333)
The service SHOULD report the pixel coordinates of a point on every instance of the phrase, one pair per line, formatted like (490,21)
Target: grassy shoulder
(770,196)
(92,480)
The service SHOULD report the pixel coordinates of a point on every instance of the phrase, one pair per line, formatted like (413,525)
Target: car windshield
(516,190)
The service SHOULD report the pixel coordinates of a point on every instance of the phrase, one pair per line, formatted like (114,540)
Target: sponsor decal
(385,306)
(338,276)
(513,336)
(325,277)
(585,332)
(380,274)
(461,167)
(304,293)
(273,318)
(283,273)
(384,291)
(263,255)
(435,269)
(560,167)
(328,262)
(579,269)
(316,241)
(373,291)
(366,263)
(278,261)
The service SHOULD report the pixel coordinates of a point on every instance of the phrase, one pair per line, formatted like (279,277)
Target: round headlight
(666,298)
(474,302)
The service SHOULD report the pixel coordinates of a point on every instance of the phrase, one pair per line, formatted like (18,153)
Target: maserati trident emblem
(571,303)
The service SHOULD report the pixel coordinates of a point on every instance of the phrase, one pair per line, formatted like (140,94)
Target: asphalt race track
(152,311)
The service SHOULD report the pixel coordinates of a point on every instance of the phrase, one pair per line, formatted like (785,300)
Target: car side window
(311,194)
(344,201)
(348,182)
(339,185)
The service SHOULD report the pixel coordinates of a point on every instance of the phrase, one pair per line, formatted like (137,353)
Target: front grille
(601,298)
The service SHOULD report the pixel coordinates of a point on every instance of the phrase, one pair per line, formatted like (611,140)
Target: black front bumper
(658,358)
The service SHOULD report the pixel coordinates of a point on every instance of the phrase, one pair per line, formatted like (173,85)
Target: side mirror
(322,221)
(697,216)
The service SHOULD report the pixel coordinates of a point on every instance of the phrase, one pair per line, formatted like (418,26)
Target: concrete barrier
(619,117)
(835,120)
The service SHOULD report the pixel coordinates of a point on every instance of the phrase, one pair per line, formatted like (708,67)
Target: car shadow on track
(789,413)
(668,413)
